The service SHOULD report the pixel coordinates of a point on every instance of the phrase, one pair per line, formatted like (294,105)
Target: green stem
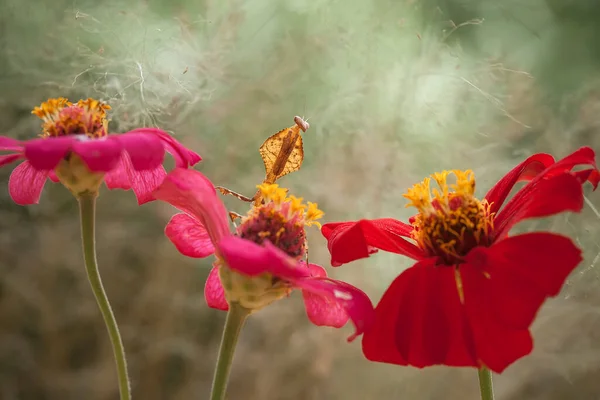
(233,326)
(87,213)
(485,384)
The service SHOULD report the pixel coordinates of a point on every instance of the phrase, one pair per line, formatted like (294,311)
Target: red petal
(497,345)
(189,236)
(420,321)
(146,152)
(349,241)
(524,270)
(540,198)
(525,171)
(145,182)
(45,154)
(100,155)
(252,259)
(193,193)
(183,156)
(214,292)
(26,183)
(53,177)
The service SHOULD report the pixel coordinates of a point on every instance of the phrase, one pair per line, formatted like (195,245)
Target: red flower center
(62,118)
(450,222)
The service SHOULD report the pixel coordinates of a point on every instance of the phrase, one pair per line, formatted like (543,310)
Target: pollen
(62,118)
(281,220)
(451,221)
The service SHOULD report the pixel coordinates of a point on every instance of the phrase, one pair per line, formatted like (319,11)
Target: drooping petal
(189,236)
(543,197)
(118,178)
(26,183)
(497,345)
(145,182)
(183,156)
(525,171)
(9,158)
(193,193)
(45,154)
(53,177)
(420,321)
(329,302)
(214,292)
(146,152)
(100,155)
(523,271)
(252,259)
(10,144)
(349,241)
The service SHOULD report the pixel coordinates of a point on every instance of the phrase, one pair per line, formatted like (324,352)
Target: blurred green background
(393,90)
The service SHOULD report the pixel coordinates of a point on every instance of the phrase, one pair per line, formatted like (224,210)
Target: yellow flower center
(280,220)
(451,221)
(62,118)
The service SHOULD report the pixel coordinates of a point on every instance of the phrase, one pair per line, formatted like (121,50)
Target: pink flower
(75,147)
(271,258)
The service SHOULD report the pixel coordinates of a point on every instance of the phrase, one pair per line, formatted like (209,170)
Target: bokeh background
(393,90)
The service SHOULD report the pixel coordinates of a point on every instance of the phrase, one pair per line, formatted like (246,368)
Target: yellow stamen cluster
(61,117)
(309,213)
(451,221)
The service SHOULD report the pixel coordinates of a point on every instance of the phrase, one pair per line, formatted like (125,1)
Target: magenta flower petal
(100,155)
(7,159)
(53,177)
(189,236)
(145,151)
(45,154)
(252,259)
(214,292)
(193,193)
(26,183)
(144,183)
(10,144)
(118,178)
(330,302)
(184,157)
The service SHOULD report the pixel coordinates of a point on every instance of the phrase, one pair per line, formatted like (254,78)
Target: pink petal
(118,178)
(7,159)
(252,259)
(189,236)
(330,302)
(100,155)
(145,151)
(143,183)
(184,157)
(53,177)
(214,292)
(193,193)
(45,154)
(26,183)
(10,144)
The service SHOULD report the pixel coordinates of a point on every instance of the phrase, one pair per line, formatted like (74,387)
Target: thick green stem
(87,213)
(233,326)
(485,384)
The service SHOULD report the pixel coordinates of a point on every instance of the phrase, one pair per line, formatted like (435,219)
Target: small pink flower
(132,160)
(203,229)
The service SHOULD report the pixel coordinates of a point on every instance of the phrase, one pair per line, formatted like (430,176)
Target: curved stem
(233,326)
(485,384)
(87,213)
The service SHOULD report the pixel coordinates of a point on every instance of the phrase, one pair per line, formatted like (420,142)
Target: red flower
(76,133)
(474,291)
(264,254)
